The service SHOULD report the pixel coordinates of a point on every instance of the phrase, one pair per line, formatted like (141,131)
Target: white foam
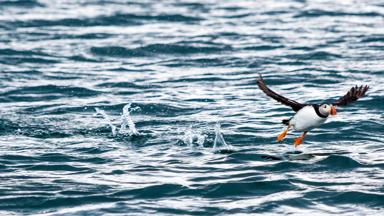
(126,120)
(107,119)
(219,143)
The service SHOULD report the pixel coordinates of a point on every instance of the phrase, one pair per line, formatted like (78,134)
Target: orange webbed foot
(299,140)
(282,135)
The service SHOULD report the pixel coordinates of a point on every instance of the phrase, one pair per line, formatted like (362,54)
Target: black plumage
(296,106)
(352,95)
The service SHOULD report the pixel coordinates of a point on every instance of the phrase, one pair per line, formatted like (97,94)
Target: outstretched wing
(352,95)
(293,104)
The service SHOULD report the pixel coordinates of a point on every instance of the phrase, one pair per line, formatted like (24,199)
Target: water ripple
(151,107)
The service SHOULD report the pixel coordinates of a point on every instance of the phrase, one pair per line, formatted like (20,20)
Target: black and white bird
(310,116)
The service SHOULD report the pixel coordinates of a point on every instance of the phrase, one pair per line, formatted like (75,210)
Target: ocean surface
(151,107)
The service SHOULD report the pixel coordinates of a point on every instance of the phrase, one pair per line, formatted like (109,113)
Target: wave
(372,39)
(246,188)
(155,49)
(12,56)
(112,20)
(263,47)
(14,52)
(152,109)
(126,85)
(45,92)
(153,191)
(24,3)
(349,198)
(317,55)
(58,168)
(340,162)
(318,13)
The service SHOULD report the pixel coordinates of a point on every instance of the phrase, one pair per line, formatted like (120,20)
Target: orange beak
(333,110)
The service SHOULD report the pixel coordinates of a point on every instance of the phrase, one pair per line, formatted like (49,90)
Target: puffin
(309,116)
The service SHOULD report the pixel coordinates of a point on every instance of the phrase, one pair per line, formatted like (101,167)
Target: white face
(325,109)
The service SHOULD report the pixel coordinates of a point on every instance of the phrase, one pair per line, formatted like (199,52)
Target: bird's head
(327,109)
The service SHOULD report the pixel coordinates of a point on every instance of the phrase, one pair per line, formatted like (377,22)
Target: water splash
(219,144)
(127,121)
(107,119)
(193,137)
(127,125)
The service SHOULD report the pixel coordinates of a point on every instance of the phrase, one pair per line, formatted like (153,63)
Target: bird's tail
(286,121)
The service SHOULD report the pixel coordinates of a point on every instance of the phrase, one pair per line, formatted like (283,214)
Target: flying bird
(310,116)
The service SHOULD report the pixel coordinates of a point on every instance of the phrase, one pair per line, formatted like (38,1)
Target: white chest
(306,119)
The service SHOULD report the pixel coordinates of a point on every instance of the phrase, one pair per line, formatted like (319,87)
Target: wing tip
(355,93)
(260,80)
(362,90)
(260,77)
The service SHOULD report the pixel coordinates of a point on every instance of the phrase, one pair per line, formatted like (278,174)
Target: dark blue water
(180,69)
